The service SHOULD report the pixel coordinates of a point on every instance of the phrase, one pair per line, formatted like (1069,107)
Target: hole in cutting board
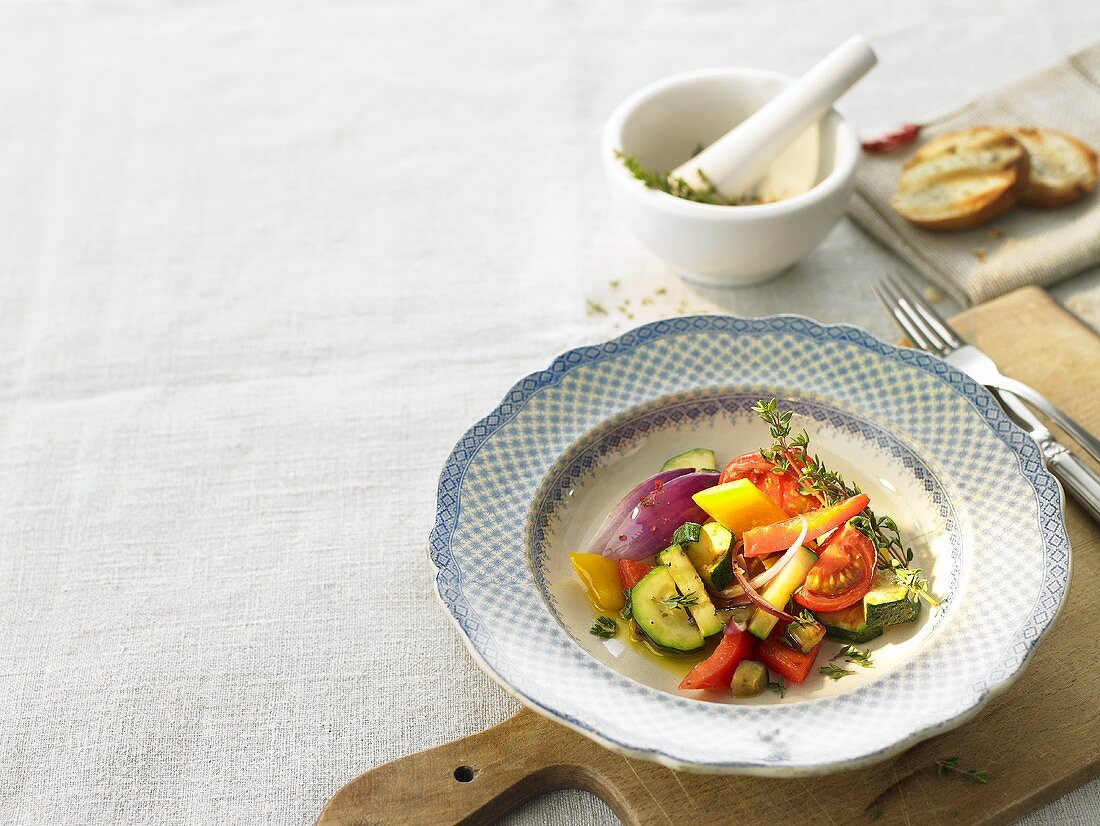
(464,774)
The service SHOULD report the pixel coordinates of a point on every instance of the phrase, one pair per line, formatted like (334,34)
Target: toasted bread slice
(962,179)
(1063,169)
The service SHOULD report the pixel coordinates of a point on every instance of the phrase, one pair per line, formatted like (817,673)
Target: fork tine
(900,319)
(904,305)
(928,313)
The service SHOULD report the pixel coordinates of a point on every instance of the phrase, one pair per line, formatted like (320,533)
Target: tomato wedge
(630,572)
(843,573)
(716,671)
(781,488)
(793,666)
(744,467)
(780,536)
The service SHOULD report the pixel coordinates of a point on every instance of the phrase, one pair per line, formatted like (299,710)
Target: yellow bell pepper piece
(739,505)
(600,577)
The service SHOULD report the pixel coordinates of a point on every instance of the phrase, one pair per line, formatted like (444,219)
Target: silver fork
(927,329)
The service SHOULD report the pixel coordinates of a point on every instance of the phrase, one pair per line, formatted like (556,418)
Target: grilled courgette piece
(658,616)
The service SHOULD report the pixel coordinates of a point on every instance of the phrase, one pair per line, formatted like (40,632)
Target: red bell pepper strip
(771,539)
(630,572)
(793,666)
(716,671)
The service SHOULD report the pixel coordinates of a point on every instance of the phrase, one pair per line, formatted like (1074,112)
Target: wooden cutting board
(1038,741)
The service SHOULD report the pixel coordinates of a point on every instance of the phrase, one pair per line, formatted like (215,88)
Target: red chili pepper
(901,136)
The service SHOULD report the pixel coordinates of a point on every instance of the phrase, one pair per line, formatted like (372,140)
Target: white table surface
(261,265)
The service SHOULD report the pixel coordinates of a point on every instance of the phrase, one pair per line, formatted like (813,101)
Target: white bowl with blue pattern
(532,481)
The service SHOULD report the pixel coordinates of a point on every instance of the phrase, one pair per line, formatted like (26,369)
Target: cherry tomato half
(843,574)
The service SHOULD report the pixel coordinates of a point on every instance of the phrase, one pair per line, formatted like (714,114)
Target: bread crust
(1008,179)
(1039,195)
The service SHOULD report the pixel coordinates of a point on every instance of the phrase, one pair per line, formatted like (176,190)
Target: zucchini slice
(688,532)
(665,623)
(888,603)
(778,592)
(804,636)
(719,574)
(710,554)
(848,624)
(698,458)
(749,679)
(691,586)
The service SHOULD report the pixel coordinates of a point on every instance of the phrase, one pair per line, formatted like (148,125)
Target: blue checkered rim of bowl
(1008,586)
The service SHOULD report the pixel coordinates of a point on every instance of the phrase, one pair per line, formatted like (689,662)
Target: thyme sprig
(911,579)
(805,619)
(949,767)
(604,627)
(779,687)
(682,600)
(835,672)
(627,613)
(850,654)
(678,187)
(857,656)
(791,456)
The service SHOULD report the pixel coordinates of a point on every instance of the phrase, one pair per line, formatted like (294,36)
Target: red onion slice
(735,626)
(628,503)
(644,526)
(759,601)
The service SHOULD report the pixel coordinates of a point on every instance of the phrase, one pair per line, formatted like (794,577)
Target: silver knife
(1078,478)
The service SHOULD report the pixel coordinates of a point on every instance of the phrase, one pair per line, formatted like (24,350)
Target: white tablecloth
(261,264)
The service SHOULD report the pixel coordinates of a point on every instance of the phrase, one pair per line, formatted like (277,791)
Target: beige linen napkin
(1037,247)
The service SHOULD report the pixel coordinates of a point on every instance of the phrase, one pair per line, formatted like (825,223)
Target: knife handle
(1089,442)
(1082,482)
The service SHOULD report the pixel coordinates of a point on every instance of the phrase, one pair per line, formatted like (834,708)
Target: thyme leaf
(834,672)
(628,609)
(604,627)
(805,618)
(949,767)
(857,656)
(682,600)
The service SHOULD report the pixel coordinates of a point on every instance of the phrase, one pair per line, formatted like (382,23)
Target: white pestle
(737,161)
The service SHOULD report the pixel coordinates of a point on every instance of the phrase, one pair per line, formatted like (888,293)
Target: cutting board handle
(478,779)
